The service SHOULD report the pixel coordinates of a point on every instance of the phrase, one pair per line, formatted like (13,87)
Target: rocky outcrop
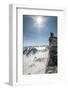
(52,63)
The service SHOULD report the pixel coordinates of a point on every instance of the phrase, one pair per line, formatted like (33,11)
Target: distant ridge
(37,46)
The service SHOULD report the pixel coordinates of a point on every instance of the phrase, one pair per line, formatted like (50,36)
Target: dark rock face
(27,51)
(53,56)
(52,64)
(51,69)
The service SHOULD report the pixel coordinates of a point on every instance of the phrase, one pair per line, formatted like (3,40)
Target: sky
(36,29)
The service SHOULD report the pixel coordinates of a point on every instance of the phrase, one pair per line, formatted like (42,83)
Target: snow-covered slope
(35,60)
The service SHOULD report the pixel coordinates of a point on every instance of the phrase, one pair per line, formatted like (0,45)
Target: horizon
(36,46)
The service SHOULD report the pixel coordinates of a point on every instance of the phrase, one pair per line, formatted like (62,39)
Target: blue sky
(34,34)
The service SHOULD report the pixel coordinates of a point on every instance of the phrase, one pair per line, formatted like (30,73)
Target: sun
(39,20)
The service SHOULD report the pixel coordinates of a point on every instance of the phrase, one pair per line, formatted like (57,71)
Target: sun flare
(39,20)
